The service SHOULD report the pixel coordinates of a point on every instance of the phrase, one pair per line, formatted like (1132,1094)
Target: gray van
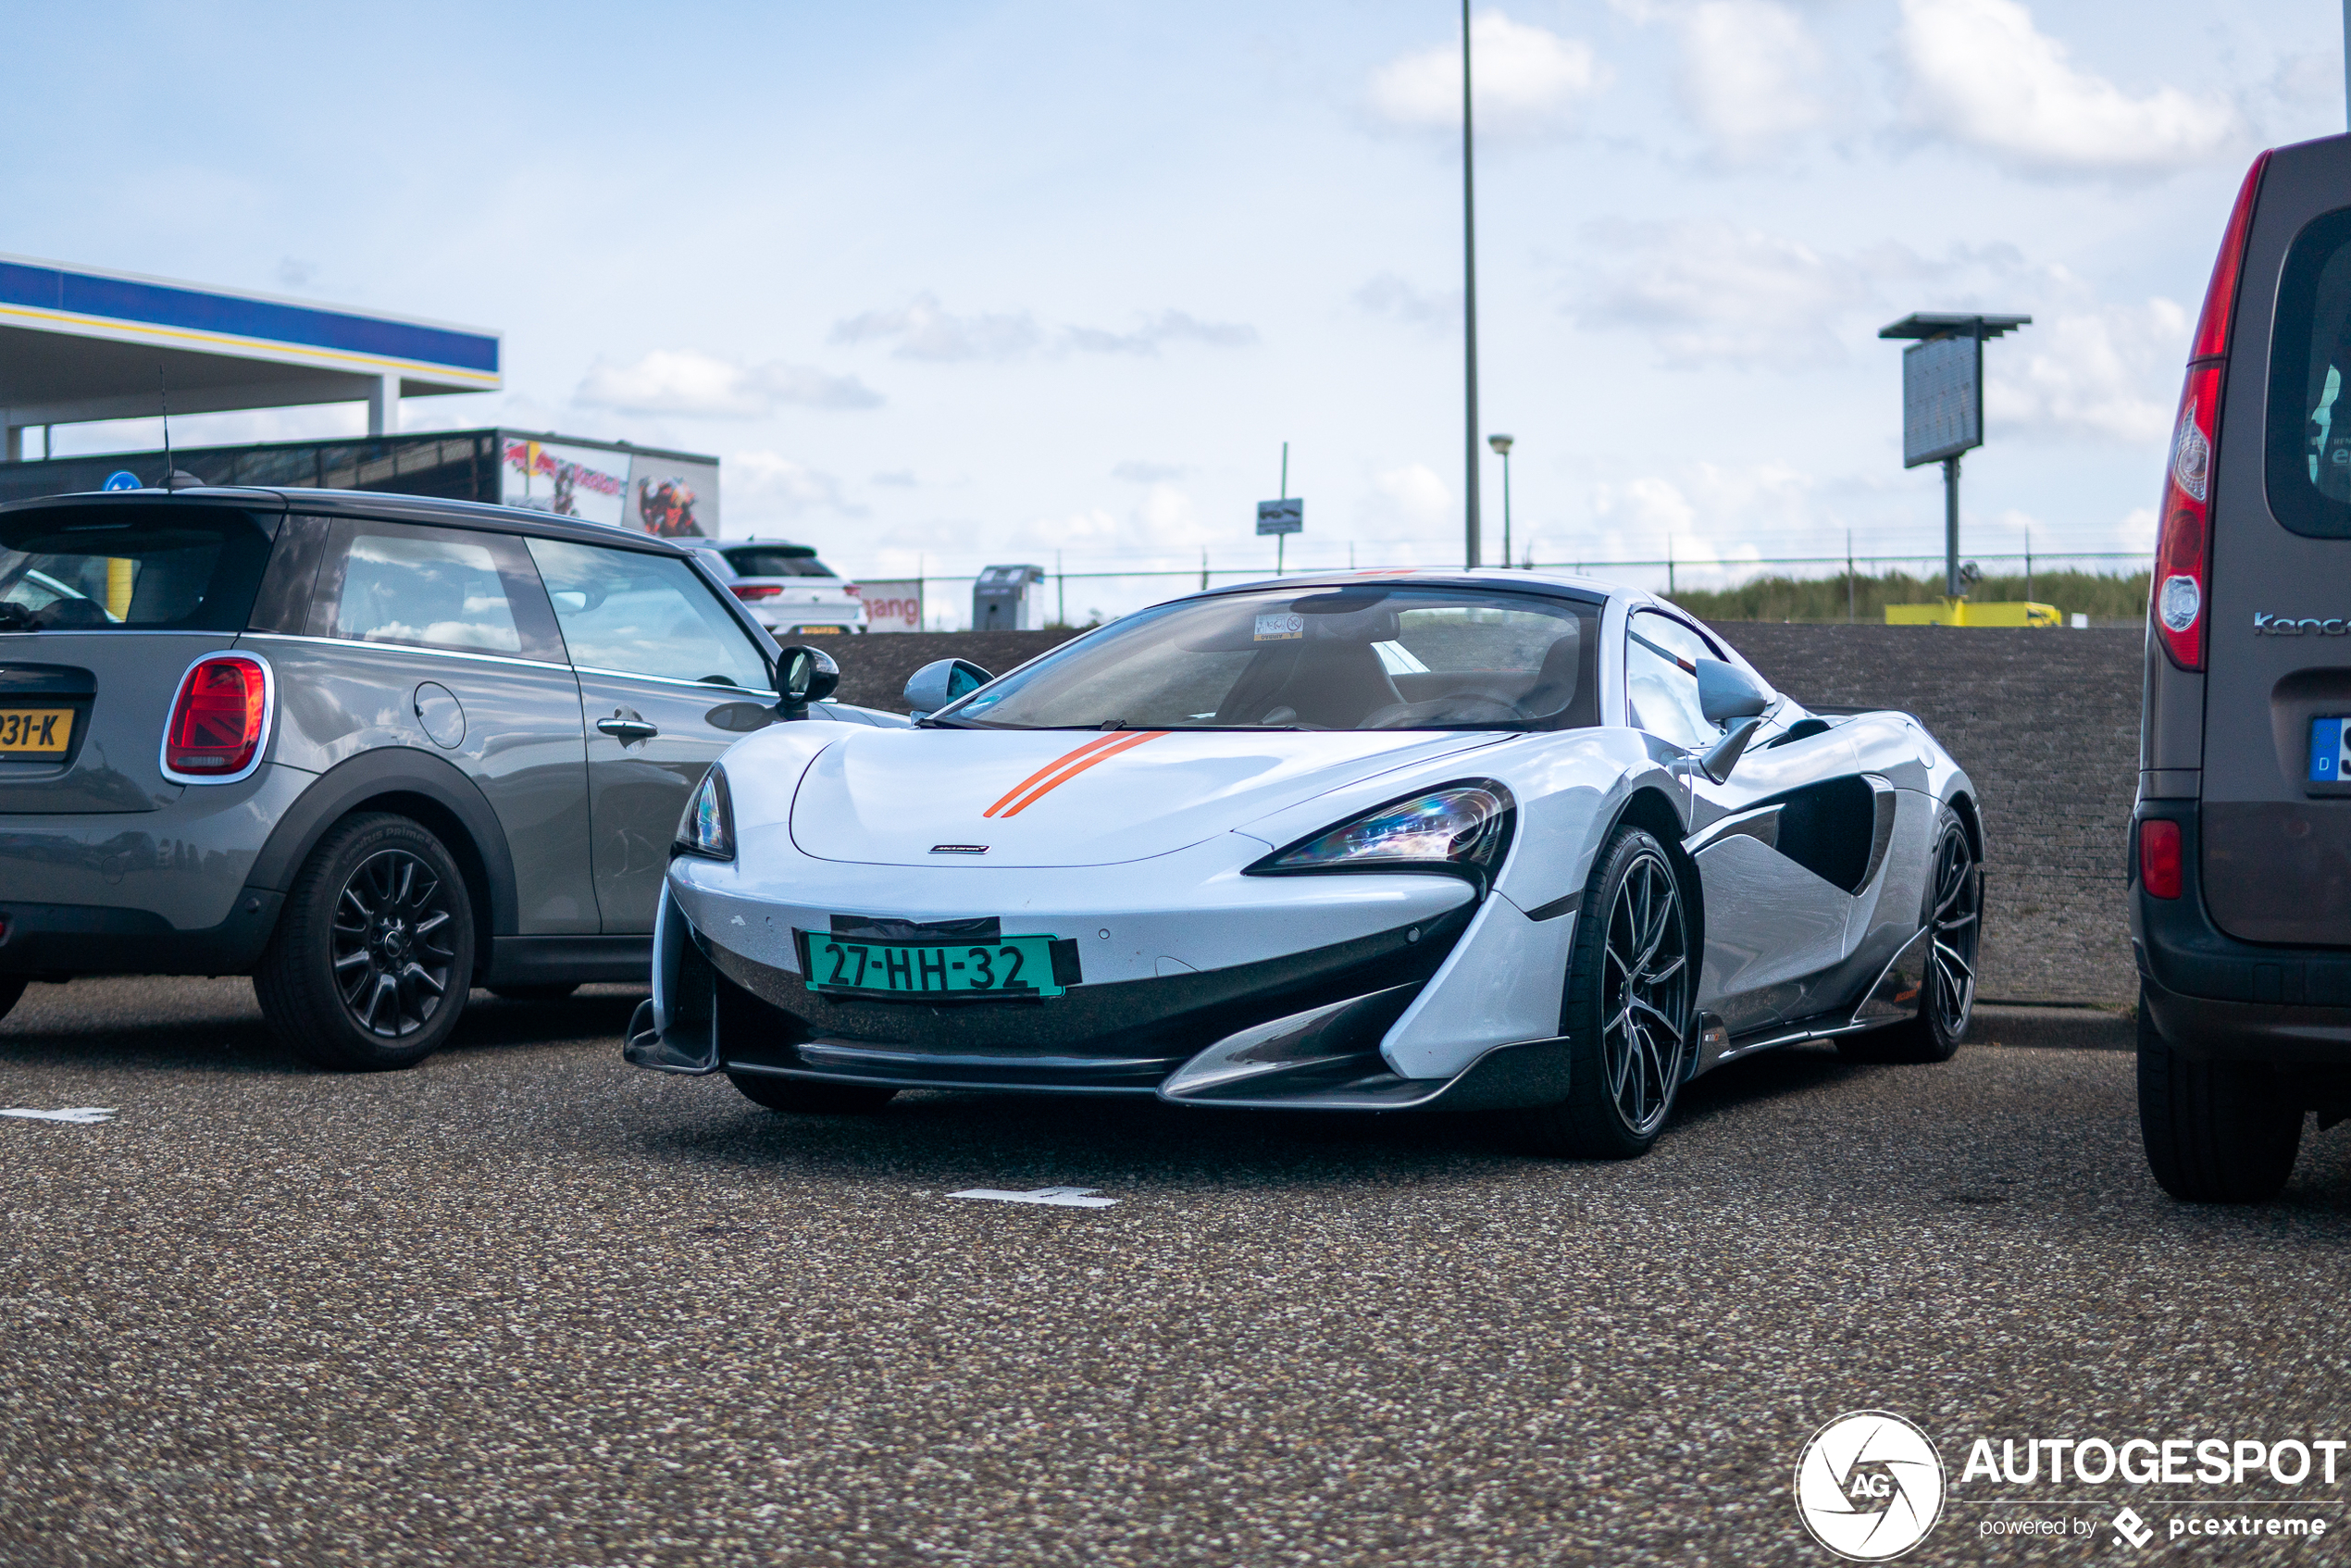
(371,750)
(2239,860)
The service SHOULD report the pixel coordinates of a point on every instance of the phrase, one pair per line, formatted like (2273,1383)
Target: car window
(2308,466)
(639,614)
(95,568)
(1358,655)
(1660,678)
(793,562)
(424,586)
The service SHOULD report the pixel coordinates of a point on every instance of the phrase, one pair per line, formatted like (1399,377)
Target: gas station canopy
(79,344)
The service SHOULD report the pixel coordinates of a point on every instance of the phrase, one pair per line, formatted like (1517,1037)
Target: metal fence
(1076,598)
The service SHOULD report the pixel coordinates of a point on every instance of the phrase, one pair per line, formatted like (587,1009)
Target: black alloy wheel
(371,960)
(1953,926)
(393,965)
(1628,1014)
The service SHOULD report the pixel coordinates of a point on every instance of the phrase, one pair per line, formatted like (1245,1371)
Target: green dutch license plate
(1021,966)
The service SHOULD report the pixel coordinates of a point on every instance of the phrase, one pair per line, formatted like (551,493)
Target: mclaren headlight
(1461,829)
(708,828)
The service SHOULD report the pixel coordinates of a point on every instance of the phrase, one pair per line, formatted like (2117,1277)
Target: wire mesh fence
(2105,585)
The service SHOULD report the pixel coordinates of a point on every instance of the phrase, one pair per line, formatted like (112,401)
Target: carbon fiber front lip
(1127,1034)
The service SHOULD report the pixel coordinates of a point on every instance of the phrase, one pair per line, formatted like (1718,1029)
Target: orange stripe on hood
(1061,770)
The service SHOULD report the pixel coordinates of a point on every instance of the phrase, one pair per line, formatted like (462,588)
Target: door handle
(626,730)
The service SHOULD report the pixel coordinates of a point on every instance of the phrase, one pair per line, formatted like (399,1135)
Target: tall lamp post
(1469,301)
(1501,445)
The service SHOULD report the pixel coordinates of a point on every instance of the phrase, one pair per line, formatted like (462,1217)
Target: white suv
(785,587)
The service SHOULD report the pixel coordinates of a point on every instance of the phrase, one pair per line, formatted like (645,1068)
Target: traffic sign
(122,478)
(1281,517)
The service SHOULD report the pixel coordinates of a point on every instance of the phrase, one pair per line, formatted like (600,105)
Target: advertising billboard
(672,496)
(892,607)
(571,482)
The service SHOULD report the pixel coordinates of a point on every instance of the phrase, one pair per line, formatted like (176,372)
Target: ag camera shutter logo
(1868,1485)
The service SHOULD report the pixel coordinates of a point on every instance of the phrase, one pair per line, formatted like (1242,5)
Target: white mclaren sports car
(1379,841)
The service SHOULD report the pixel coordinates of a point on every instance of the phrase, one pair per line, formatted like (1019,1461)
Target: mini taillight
(2181,589)
(219,720)
(2159,857)
(750,590)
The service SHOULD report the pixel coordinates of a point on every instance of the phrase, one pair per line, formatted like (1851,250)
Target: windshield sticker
(1283,628)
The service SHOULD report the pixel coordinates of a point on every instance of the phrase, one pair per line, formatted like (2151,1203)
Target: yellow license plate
(818,630)
(36,730)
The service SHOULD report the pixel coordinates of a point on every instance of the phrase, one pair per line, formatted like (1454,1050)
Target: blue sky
(951,284)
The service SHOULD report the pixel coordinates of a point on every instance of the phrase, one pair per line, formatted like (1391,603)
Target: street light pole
(1469,300)
(1501,445)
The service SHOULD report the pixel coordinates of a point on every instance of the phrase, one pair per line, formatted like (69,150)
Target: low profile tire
(807,1097)
(1947,1000)
(534,993)
(2216,1132)
(1627,1012)
(372,959)
(11,989)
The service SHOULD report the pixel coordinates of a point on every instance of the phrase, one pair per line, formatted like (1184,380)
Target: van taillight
(219,720)
(2180,590)
(2159,857)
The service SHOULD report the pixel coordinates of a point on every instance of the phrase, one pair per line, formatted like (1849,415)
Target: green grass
(2101,596)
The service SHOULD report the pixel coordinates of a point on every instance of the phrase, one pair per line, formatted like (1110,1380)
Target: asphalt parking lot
(528,1305)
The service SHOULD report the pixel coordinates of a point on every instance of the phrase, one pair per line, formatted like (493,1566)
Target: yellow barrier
(1960,612)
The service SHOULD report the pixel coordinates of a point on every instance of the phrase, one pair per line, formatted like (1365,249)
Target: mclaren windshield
(1355,656)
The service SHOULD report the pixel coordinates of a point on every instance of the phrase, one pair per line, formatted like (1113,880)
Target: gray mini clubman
(369,749)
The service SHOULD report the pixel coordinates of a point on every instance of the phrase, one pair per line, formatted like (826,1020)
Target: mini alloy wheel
(393,965)
(372,959)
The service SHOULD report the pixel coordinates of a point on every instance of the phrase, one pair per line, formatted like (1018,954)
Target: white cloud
(1750,70)
(1982,74)
(1134,470)
(2105,374)
(924,329)
(684,382)
(765,485)
(1414,501)
(1709,292)
(1529,81)
(1168,325)
(1391,296)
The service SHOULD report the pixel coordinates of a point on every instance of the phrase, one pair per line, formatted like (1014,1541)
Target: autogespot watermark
(1871,1485)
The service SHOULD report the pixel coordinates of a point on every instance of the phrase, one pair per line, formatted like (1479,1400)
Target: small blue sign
(2326,751)
(122,478)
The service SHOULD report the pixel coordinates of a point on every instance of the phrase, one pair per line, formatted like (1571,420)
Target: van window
(170,567)
(2308,466)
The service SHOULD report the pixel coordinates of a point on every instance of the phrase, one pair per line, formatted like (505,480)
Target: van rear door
(2276,813)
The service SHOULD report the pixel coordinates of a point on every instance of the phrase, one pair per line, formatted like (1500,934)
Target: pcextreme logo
(1868,1485)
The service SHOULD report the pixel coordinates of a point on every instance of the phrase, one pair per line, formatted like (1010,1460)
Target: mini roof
(79,343)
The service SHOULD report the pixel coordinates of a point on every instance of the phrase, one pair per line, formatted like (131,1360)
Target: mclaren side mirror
(1726,693)
(803,676)
(940,682)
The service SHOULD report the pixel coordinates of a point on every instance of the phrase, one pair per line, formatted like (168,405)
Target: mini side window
(2309,464)
(431,588)
(634,612)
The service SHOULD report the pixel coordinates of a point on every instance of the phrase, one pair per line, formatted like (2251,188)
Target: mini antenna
(163,392)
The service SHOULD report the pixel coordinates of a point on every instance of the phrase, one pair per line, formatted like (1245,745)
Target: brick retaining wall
(2047,723)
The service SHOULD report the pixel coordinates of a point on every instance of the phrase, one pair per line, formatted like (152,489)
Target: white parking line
(1056,1197)
(80,1115)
